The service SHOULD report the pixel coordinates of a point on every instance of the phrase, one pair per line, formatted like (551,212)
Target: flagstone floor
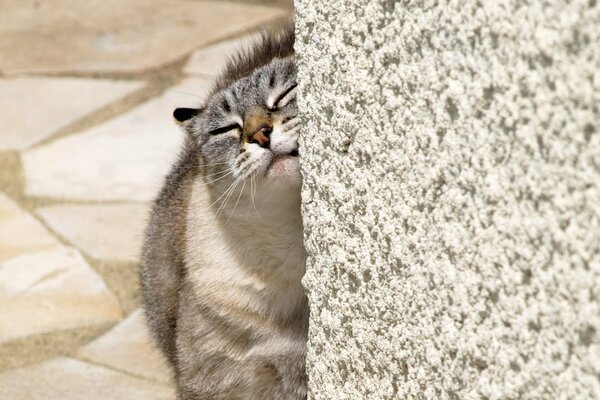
(86,135)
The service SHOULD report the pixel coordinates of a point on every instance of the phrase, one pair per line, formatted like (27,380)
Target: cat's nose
(261,136)
(257,128)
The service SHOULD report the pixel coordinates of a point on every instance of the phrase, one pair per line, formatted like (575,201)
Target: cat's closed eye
(284,98)
(225,129)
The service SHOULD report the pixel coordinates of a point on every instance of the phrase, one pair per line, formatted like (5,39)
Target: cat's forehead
(252,90)
(262,81)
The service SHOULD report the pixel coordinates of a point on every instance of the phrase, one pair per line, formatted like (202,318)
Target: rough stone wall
(451,160)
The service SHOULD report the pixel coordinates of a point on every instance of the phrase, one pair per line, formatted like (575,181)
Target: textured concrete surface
(451,158)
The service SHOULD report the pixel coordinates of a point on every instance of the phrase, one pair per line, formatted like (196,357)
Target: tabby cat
(223,256)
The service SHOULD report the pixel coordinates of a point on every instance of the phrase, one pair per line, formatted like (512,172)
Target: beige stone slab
(288,4)
(20,232)
(128,347)
(32,109)
(211,60)
(105,232)
(52,290)
(68,379)
(123,159)
(115,35)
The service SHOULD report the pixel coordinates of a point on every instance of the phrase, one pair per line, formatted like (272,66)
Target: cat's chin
(284,168)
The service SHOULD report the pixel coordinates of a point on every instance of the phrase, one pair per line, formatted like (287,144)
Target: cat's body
(223,256)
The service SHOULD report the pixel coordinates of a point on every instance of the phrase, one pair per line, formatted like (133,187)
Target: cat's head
(248,128)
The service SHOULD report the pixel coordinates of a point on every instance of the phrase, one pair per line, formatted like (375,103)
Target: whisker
(293,129)
(219,178)
(188,94)
(237,201)
(224,193)
(229,192)
(253,186)
(292,121)
(212,165)
(224,203)
(218,173)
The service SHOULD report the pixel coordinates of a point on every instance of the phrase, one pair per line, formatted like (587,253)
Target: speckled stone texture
(451,160)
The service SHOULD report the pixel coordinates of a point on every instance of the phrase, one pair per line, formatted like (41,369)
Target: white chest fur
(251,259)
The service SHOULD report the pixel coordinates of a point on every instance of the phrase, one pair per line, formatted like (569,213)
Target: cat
(223,255)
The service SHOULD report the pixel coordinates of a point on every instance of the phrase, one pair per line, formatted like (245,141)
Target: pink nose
(261,137)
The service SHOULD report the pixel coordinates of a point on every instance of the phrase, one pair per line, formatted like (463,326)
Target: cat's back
(162,258)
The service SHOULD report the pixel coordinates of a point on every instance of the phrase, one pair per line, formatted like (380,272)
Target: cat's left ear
(183,114)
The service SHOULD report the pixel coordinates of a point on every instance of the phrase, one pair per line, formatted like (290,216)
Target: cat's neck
(265,226)
(267,207)
(256,254)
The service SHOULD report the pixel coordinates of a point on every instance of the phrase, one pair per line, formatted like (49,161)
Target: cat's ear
(183,114)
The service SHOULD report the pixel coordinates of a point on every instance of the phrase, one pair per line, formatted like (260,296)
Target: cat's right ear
(183,114)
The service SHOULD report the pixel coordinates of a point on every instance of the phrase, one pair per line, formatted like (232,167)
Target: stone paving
(86,135)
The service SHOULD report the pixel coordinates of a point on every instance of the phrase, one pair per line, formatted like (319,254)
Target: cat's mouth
(280,156)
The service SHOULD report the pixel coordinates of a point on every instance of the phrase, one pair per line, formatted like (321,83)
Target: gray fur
(223,256)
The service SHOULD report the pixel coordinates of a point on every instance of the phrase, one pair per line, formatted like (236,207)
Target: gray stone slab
(52,290)
(123,159)
(20,232)
(68,379)
(115,35)
(32,109)
(105,232)
(128,347)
